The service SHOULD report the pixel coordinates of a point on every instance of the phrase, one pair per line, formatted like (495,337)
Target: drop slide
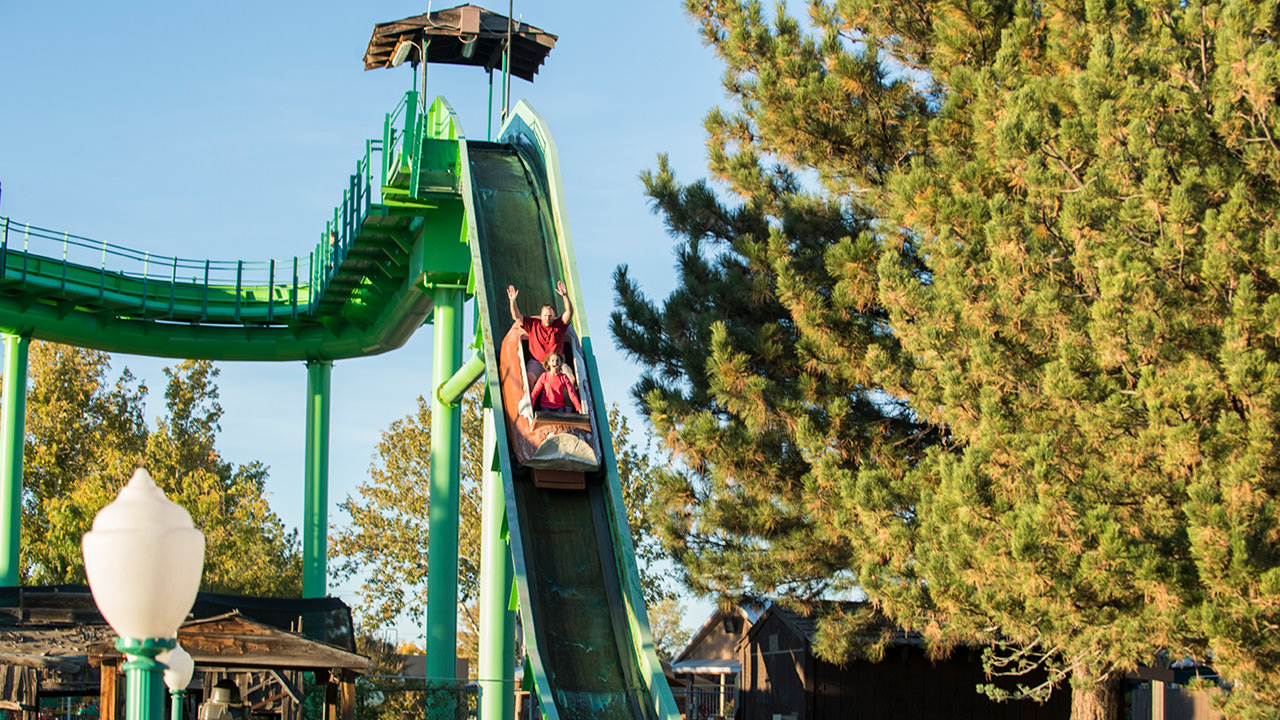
(590,649)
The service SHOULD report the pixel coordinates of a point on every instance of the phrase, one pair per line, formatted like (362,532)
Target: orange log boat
(558,448)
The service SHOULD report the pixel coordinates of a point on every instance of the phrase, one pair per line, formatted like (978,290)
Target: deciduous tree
(667,621)
(384,543)
(253,552)
(85,436)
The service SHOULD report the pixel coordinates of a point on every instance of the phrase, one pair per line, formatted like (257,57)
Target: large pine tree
(731,386)
(1025,387)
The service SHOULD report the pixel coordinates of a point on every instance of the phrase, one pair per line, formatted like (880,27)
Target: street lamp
(178,676)
(143,559)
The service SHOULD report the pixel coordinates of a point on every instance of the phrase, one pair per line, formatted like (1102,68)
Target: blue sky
(227,131)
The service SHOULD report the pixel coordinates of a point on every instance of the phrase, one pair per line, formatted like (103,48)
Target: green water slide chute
(590,649)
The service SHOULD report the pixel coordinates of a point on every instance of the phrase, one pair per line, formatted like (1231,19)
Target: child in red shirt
(554,386)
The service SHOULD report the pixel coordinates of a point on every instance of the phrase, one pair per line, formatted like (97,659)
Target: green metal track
(591,651)
(361,291)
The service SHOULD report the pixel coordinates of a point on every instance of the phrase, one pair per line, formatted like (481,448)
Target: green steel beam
(398,317)
(144,676)
(497,670)
(452,390)
(442,551)
(315,524)
(14,419)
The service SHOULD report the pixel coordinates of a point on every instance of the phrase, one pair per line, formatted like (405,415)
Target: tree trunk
(1099,701)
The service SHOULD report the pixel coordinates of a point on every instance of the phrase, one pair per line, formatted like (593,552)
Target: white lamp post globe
(180,668)
(143,559)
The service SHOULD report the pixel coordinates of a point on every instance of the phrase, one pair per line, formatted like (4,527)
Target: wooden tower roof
(463,35)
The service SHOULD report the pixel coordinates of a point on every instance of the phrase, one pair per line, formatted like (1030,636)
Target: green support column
(15,415)
(497,669)
(144,677)
(176,700)
(315,524)
(442,551)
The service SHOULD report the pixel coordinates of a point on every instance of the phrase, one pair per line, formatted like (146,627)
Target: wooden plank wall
(781,680)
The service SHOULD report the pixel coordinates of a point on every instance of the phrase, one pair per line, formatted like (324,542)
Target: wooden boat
(558,448)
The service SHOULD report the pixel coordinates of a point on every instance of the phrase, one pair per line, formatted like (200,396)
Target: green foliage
(636,470)
(86,435)
(666,621)
(738,518)
(255,554)
(385,542)
(992,327)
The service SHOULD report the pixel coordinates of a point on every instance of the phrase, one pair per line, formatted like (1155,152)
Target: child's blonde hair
(546,361)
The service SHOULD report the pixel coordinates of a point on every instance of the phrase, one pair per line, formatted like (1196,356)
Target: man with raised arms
(546,331)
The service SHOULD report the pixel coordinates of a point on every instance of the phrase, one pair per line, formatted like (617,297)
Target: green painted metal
(488,132)
(14,429)
(176,699)
(442,553)
(590,650)
(527,126)
(451,390)
(144,677)
(506,80)
(315,529)
(497,669)
(361,291)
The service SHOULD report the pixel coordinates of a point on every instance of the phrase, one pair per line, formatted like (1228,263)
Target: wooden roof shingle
(451,31)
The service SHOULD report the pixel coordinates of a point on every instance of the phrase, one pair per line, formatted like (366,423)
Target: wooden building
(706,671)
(55,644)
(1165,691)
(782,680)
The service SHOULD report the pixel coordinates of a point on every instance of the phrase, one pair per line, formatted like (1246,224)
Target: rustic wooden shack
(54,643)
(705,672)
(781,679)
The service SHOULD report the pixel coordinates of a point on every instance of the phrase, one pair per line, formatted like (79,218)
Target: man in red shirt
(546,332)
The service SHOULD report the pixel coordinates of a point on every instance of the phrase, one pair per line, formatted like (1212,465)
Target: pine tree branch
(1052,151)
(1261,121)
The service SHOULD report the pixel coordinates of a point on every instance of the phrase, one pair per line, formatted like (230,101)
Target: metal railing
(403,132)
(348,217)
(298,282)
(403,135)
(707,703)
(30,254)
(393,136)
(401,698)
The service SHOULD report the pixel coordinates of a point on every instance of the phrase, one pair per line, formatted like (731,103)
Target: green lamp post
(143,559)
(177,677)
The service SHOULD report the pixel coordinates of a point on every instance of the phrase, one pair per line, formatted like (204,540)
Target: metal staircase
(360,291)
